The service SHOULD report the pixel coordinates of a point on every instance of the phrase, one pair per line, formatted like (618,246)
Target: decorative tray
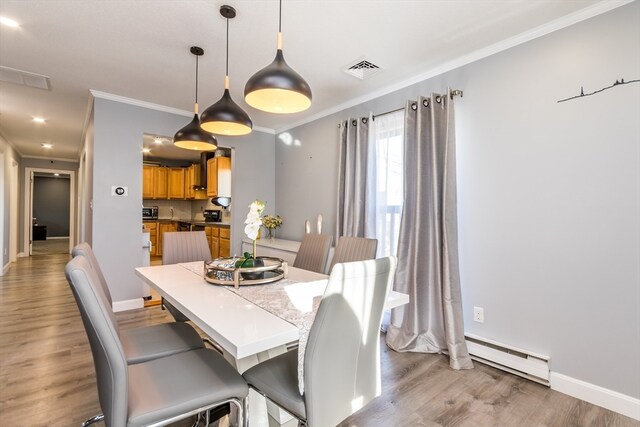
(223,271)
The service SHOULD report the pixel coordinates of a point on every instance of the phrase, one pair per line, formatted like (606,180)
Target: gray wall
(548,194)
(9,155)
(51,204)
(116,159)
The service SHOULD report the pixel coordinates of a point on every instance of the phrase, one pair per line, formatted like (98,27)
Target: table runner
(293,301)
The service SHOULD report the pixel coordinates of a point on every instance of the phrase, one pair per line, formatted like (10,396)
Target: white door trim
(28,205)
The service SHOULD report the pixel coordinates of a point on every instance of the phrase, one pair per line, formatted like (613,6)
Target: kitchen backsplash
(185,209)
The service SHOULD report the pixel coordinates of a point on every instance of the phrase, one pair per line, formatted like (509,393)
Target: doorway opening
(49,211)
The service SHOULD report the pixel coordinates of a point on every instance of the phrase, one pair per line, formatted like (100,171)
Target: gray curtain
(354,179)
(428,246)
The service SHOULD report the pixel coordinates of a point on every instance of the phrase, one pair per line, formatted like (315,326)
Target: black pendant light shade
(192,137)
(277,88)
(225,117)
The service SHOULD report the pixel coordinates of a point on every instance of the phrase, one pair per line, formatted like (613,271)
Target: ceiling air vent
(361,69)
(24,78)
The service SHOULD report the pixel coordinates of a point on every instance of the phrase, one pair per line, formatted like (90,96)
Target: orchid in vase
(251,229)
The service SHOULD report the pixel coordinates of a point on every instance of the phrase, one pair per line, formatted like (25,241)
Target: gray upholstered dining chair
(351,249)
(313,252)
(147,342)
(342,355)
(184,246)
(156,392)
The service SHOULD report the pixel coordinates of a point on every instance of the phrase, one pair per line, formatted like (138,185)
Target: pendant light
(192,137)
(225,117)
(277,88)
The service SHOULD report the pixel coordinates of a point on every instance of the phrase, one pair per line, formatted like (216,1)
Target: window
(388,140)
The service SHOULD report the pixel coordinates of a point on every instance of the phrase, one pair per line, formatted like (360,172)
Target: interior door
(30,217)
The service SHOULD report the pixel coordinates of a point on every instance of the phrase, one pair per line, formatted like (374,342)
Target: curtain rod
(452,93)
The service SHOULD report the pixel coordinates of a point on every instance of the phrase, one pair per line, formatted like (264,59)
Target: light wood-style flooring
(47,376)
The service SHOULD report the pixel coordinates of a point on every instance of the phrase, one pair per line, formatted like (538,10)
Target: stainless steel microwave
(149,212)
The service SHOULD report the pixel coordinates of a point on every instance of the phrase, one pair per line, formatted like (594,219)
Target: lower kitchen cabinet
(152,228)
(164,227)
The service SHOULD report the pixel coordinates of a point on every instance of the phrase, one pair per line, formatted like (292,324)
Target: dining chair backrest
(313,252)
(351,249)
(86,250)
(342,356)
(185,246)
(106,349)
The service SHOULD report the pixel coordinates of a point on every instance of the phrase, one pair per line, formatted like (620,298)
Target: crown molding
(58,159)
(550,27)
(158,107)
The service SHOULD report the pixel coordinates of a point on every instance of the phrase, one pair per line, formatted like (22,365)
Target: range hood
(204,156)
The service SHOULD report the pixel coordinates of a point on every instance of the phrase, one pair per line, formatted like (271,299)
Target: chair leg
(245,412)
(92,420)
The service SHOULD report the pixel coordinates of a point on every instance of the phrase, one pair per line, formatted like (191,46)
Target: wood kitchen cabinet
(192,177)
(212,177)
(160,186)
(148,181)
(176,183)
(225,242)
(152,228)
(219,177)
(164,227)
(154,182)
(213,239)
(219,242)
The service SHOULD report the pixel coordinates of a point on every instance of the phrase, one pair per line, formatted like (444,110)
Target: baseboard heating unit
(526,364)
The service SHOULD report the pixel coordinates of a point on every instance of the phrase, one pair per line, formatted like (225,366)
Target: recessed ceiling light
(157,140)
(46,145)
(146,150)
(8,22)
(56,174)
(39,120)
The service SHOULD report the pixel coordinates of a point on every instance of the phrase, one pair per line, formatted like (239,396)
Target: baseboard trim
(22,255)
(600,396)
(5,268)
(130,304)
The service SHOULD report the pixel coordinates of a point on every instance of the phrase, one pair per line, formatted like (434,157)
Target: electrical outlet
(478,314)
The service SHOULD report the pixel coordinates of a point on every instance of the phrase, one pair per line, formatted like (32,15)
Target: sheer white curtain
(371,178)
(386,170)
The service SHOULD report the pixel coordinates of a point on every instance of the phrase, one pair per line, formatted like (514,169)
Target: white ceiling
(140,50)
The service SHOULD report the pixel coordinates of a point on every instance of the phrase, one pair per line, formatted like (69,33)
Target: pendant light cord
(280,18)
(227,66)
(196,79)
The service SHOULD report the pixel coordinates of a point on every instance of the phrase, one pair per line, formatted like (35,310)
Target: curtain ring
(438,99)
(365,120)
(354,123)
(414,106)
(425,102)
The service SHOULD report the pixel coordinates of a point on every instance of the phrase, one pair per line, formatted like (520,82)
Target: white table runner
(295,302)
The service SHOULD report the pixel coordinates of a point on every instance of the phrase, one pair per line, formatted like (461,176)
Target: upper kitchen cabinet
(176,183)
(193,179)
(154,182)
(219,177)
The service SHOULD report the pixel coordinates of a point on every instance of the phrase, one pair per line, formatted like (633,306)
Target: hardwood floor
(47,376)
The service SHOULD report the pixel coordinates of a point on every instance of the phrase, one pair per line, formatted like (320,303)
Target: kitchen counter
(189,221)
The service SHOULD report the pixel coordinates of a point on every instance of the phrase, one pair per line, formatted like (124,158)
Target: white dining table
(247,333)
